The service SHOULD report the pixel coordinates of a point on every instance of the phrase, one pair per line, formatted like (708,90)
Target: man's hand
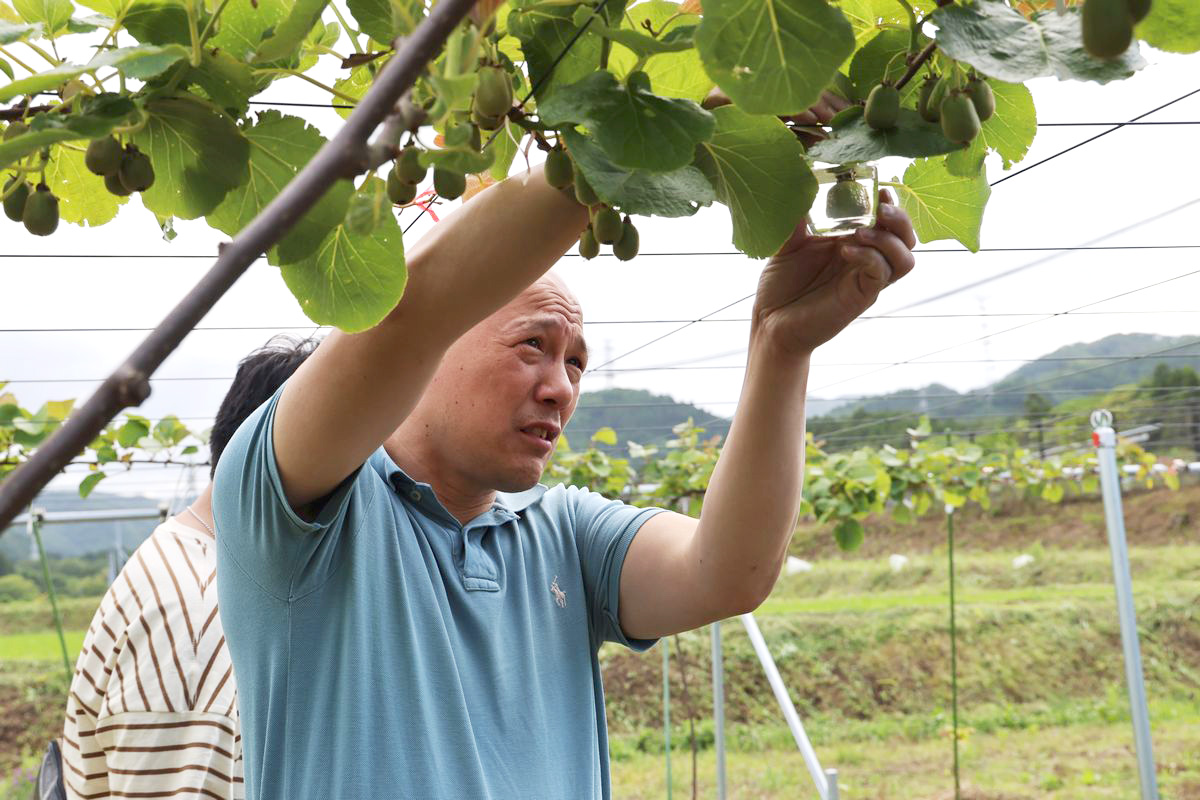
(815,286)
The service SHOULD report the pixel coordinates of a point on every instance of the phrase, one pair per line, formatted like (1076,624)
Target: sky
(1139,185)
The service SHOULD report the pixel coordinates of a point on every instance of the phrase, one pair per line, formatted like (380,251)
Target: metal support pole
(34,526)
(1105,440)
(820,778)
(831,781)
(718,691)
(666,650)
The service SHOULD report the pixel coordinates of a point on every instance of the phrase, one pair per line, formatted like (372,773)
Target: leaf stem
(913,27)
(298,74)
(351,32)
(17,61)
(921,58)
(212,21)
(194,34)
(53,61)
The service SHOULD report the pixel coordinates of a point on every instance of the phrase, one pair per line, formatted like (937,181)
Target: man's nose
(555,387)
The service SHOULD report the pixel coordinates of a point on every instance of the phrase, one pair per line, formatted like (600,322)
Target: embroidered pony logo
(560,597)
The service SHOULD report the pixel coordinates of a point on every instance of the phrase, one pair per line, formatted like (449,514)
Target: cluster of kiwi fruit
(1108,25)
(492,101)
(36,209)
(125,169)
(959,109)
(605,226)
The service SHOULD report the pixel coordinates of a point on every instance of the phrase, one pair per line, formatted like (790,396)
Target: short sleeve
(257,529)
(604,529)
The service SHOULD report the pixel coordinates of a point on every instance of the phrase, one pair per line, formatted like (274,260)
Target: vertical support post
(820,779)
(953,649)
(1105,440)
(831,782)
(35,531)
(666,645)
(718,691)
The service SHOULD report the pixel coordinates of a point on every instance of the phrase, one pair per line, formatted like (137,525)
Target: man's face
(507,388)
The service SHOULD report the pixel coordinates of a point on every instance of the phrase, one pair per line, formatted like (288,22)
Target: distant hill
(1041,376)
(81,538)
(636,415)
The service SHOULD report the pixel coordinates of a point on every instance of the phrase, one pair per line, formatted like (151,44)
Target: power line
(1077,145)
(1017,327)
(667,254)
(1000,314)
(888,364)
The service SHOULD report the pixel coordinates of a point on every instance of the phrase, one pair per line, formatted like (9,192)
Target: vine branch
(129,385)
(915,66)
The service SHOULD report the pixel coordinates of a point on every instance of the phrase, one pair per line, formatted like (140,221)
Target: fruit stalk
(915,66)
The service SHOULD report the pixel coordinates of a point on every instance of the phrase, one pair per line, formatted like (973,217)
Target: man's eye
(575,362)
(534,342)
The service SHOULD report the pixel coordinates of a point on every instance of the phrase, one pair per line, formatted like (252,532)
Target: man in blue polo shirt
(410,615)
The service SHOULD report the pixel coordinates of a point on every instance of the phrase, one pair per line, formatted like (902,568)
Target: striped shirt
(152,710)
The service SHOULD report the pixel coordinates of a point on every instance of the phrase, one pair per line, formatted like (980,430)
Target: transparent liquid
(825,218)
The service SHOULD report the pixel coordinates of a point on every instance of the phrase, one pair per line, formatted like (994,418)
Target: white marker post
(1105,440)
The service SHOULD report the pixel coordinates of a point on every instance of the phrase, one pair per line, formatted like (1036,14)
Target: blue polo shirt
(384,650)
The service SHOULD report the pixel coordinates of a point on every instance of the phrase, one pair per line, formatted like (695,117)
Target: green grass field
(39,646)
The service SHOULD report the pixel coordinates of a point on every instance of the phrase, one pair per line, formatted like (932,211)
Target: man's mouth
(543,432)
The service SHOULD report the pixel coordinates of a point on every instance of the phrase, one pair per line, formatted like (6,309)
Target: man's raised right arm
(356,389)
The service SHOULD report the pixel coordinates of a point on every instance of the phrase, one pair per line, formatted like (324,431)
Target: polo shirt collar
(507,505)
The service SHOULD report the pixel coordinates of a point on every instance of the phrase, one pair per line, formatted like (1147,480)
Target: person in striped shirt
(152,710)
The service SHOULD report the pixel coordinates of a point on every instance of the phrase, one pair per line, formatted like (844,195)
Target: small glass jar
(847,197)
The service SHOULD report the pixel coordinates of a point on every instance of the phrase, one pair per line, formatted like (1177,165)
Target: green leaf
(279,146)
(97,116)
(140,62)
(671,74)
(758,170)
(367,207)
(459,159)
(82,198)
(773,56)
(158,22)
(636,128)
(243,25)
(912,137)
(6,68)
(355,85)
(665,194)
(943,206)
(129,434)
(288,35)
(605,435)
(1053,492)
(89,483)
(1001,43)
(92,22)
(1009,132)
(16,31)
(545,32)
(198,156)
(169,431)
(351,282)
(384,20)
(229,82)
(954,498)
(1172,25)
(54,14)
(849,534)
(881,59)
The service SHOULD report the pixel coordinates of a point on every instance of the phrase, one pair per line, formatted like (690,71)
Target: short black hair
(259,376)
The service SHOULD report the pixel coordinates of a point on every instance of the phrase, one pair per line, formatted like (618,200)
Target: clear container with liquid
(847,198)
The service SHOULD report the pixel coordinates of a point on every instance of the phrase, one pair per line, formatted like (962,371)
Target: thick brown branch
(129,384)
(915,66)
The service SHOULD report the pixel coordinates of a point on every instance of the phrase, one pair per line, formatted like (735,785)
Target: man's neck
(463,501)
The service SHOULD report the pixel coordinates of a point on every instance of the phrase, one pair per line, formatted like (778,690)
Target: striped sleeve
(152,710)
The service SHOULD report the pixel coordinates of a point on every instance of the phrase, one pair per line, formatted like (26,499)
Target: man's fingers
(835,101)
(894,220)
(871,270)
(899,257)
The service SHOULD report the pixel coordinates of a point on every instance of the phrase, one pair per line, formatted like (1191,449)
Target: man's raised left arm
(681,573)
